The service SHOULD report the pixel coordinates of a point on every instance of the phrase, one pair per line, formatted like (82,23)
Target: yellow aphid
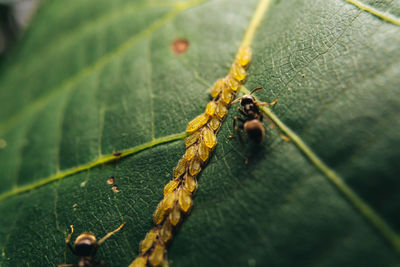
(221,109)
(226,95)
(166,232)
(190,152)
(170,187)
(169,200)
(218,86)
(194,166)
(191,139)
(159,214)
(175,215)
(232,83)
(210,108)
(139,262)
(244,56)
(204,152)
(197,122)
(238,72)
(209,138)
(214,123)
(180,167)
(185,200)
(148,240)
(157,256)
(190,183)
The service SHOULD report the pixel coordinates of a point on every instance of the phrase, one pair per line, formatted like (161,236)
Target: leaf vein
(96,66)
(371,216)
(334,42)
(87,166)
(383,15)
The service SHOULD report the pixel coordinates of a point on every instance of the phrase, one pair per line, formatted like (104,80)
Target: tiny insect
(252,123)
(85,248)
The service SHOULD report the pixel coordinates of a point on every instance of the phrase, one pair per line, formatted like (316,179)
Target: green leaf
(93,78)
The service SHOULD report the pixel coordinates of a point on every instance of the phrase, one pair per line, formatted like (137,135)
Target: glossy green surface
(91,78)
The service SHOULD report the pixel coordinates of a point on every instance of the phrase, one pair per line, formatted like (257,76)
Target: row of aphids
(178,192)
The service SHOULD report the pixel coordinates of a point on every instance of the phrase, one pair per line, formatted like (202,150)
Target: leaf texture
(93,78)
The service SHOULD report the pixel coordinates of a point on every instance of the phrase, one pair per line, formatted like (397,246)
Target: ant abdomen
(254,130)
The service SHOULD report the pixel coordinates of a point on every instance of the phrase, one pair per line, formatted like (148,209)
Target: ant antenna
(236,100)
(68,240)
(110,234)
(240,98)
(70,234)
(256,89)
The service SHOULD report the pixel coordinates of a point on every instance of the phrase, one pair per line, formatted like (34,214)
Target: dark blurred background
(15,16)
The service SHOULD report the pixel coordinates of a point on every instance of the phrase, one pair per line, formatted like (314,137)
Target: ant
(252,123)
(85,248)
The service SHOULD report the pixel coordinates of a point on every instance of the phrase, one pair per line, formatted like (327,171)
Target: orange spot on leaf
(111,180)
(180,46)
(115,189)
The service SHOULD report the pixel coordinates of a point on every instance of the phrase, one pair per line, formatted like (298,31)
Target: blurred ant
(85,248)
(252,123)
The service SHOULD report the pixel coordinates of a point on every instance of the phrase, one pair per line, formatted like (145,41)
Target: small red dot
(180,46)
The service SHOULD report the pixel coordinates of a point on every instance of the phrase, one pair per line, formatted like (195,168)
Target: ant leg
(246,161)
(242,112)
(66,265)
(284,137)
(101,241)
(235,127)
(271,104)
(101,263)
(236,130)
(68,240)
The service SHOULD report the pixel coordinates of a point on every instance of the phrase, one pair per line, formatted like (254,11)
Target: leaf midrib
(92,164)
(365,210)
(329,173)
(370,9)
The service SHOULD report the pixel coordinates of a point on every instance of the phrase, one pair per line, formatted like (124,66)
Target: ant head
(85,245)
(247,99)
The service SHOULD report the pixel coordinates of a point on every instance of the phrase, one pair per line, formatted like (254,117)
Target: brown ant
(252,123)
(85,248)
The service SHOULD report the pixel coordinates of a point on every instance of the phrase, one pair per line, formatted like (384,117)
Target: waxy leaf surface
(91,78)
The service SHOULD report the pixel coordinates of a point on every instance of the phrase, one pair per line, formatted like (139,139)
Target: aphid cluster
(201,141)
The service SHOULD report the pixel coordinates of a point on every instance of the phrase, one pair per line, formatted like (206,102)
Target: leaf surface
(92,78)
